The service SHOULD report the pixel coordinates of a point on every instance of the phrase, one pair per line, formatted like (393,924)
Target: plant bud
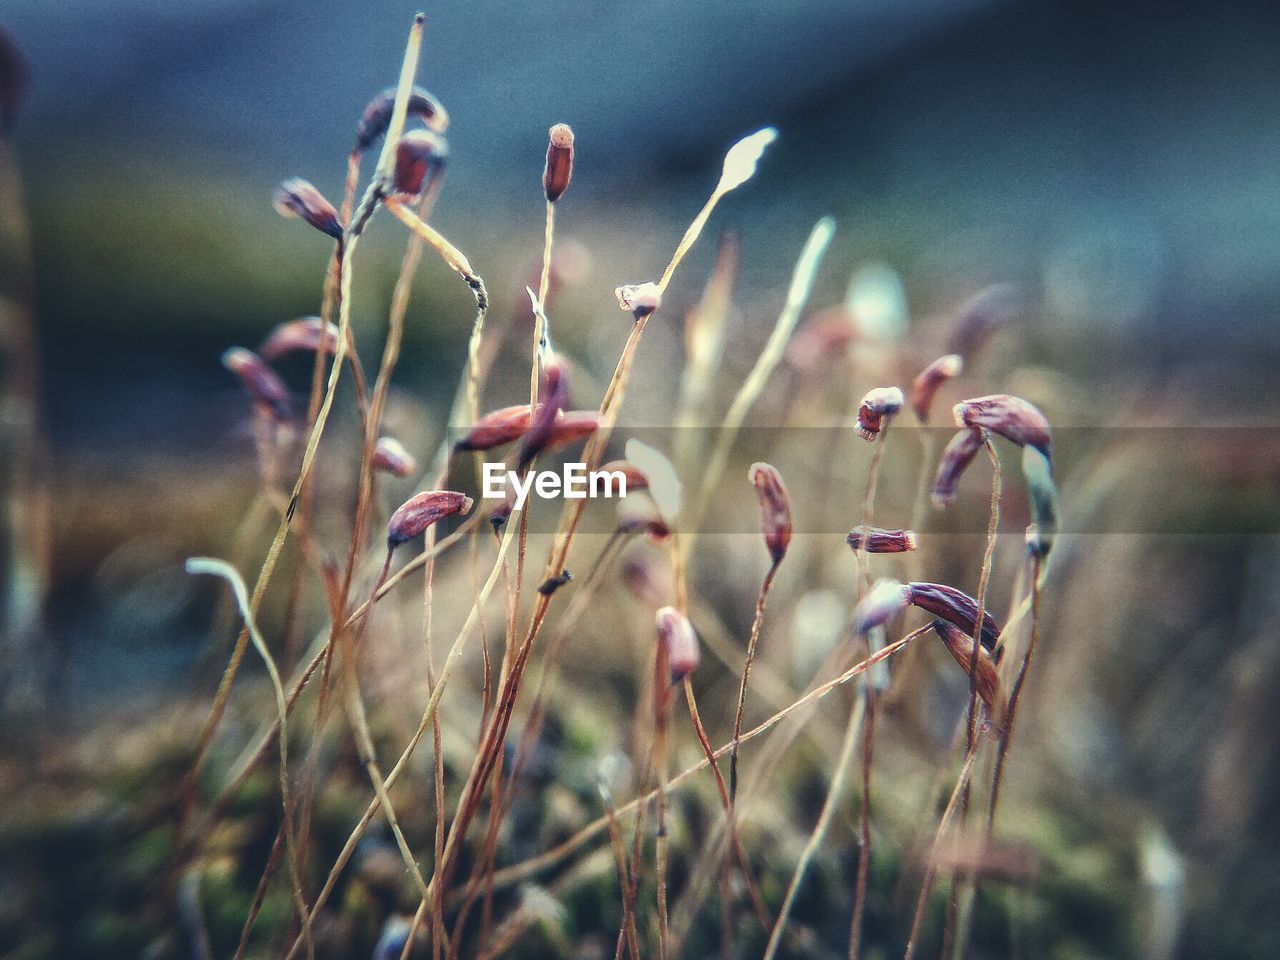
(391,457)
(572,425)
(1011,417)
(664,483)
(740,162)
(421,511)
(1042,493)
(559,169)
(553,391)
(879,540)
(981,316)
(775,509)
(499,515)
(299,336)
(262,383)
(677,635)
(296,197)
(377,115)
(878,404)
(636,479)
(829,334)
(641,516)
(926,385)
(884,601)
(639,298)
(957,456)
(954,606)
(552,584)
(420,156)
(960,645)
(496,428)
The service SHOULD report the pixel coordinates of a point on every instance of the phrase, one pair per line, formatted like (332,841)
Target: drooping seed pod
(741,159)
(496,428)
(559,169)
(960,645)
(878,404)
(1042,493)
(957,456)
(296,197)
(262,383)
(884,601)
(552,584)
(499,515)
(634,476)
(981,316)
(421,511)
(929,380)
(299,336)
(880,540)
(572,425)
(420,156)
(665,488)
(954,606)
(553,392)
(640,299)
(677,635)
(390,456)
(640,516)
(377,115)
(828,334)
(775,508)
(1011,417)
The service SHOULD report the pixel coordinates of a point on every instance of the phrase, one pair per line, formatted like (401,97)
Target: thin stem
(756,624)
(1015,695)
(931,870)
(520,871)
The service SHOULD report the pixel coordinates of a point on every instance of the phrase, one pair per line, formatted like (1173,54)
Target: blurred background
(1116,161)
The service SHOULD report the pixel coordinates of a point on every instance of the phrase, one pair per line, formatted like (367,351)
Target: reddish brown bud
(954,606)
(828,334)
(636,478)
(884,601)
(499,515)
(553,391)
(878,540)
(496,428)
(642,516)
(678,637)
(391,457)
(960,645)
(878,404)
(559,169)
(296,336)
(641,299)
(421,511)
(926,385)
(981,316)
(420,156)
(296,197)
(775,508)
(1011,417)
(960,451)
(377,115)
(262,383)
(572,425)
